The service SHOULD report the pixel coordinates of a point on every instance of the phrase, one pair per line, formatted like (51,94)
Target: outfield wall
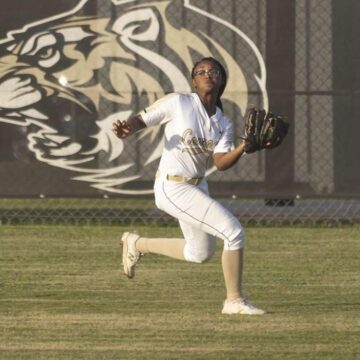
(69,68)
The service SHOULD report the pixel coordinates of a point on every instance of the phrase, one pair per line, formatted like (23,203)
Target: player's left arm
(224,161)
(225,154)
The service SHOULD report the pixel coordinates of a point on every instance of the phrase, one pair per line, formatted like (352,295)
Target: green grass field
(63,296)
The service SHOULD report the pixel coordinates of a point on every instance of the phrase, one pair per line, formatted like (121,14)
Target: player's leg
(194,206)
(134,246)
(201,215)
(171,247)
(194,238)
(196,246)
(232,265)
(199,245)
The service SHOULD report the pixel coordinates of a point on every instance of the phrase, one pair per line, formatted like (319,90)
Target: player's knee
(231,232)
(206,257)
(198,257)
(235,239)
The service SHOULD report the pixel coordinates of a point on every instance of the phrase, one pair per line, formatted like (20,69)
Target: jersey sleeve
(159,112)
(226,140)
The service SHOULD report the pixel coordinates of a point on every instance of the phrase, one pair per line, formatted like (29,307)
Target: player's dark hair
(223,76)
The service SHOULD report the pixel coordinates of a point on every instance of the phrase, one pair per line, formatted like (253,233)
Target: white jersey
(191,136)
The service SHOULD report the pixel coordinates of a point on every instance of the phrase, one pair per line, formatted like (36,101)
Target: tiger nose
(18,92)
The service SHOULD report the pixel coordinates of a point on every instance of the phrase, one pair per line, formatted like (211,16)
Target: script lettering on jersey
(195,145)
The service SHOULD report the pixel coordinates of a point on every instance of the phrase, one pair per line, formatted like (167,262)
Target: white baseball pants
(201,218)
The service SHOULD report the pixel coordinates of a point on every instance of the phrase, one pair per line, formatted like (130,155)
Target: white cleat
(240,306)
(130,255)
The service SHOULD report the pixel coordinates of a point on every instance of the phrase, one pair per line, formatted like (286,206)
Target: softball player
(195,129)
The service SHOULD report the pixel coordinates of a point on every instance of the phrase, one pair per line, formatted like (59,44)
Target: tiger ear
(128,25)
(91,8)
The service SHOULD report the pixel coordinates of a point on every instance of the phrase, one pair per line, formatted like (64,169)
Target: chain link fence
(137,212)
(123,196)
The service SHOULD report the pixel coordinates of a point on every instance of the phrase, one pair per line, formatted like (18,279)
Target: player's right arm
(158,113)
(125,128)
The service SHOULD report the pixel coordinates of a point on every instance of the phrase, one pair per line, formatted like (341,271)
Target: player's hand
(121,129)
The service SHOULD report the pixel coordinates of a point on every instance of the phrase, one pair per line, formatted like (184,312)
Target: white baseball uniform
(191,137)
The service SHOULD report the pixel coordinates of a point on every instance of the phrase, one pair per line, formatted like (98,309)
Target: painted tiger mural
(66,78)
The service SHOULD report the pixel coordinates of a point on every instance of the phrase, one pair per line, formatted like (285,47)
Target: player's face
(207,78)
